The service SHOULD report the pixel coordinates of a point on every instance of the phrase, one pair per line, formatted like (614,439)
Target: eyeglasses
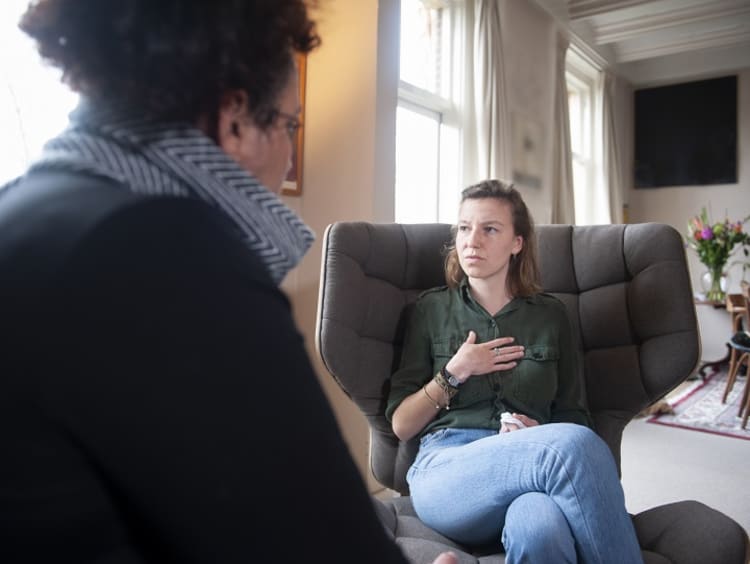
(292,124)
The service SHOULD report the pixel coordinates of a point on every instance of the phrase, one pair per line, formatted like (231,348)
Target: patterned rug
(698,407)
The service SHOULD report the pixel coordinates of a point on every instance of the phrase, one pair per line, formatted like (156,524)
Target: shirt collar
(515,303)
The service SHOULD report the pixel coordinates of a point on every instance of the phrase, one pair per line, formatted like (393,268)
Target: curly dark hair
(175,59)
(523,271)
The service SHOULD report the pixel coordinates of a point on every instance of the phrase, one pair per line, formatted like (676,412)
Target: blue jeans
(549,493)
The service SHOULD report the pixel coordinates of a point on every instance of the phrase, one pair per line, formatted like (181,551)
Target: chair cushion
(689,532)
(740,341)
(685,532)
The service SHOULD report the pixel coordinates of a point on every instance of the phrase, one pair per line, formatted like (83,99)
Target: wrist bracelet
(449,390)
(429,397)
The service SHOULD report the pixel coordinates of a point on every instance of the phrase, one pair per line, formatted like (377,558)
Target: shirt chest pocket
(536,375)
(541,353)
(443,349)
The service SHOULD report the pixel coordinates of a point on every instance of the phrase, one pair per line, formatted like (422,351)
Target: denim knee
(578,440)
(536,531)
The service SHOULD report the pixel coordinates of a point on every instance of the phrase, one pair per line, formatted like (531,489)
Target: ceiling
(652,41)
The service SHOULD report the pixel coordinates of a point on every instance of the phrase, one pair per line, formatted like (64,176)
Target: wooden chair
(737,309)
(740,348)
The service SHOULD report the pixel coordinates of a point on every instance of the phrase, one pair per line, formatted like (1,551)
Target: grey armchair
(628,293)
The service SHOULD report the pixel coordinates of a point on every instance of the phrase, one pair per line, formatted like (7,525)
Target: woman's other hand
(516,422)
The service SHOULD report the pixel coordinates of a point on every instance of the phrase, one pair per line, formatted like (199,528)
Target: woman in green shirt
(490,380)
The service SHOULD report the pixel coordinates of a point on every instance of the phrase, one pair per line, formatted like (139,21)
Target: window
(586,140)
(34,104)
(427,150)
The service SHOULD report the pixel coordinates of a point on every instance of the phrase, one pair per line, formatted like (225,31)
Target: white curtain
(611,159)
(563,204)
(485,117)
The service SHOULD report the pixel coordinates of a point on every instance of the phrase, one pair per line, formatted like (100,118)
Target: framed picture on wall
(687,134)
(293,183)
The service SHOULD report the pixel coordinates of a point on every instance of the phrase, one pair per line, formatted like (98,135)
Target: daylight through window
(34,104)
(427,149)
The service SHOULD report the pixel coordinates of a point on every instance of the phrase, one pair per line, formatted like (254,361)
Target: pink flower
(707,234)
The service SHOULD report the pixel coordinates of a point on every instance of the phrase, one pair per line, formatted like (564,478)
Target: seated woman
(490,380)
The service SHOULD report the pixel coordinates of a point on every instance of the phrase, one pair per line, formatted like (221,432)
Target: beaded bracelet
(449,390)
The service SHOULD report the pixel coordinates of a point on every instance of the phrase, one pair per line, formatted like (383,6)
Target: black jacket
(156,400)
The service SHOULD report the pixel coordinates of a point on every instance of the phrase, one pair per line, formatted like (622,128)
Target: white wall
(341,128)
(529,44)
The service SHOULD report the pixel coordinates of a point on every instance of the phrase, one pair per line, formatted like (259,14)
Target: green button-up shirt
(546,384)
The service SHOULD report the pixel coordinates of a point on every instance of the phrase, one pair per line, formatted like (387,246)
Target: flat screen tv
(686,134)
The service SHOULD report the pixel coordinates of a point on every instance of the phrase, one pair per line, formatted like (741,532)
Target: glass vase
(715,282)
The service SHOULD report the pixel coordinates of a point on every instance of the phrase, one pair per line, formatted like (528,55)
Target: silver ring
(497,351)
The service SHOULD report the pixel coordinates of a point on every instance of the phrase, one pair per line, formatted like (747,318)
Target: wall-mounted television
(686,134)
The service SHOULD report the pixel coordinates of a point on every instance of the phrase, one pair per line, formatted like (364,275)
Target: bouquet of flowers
(714,243)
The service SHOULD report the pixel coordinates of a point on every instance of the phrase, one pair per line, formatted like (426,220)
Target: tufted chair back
(626,288)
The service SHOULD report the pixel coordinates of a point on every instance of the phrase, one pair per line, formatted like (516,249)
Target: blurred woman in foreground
(157,403)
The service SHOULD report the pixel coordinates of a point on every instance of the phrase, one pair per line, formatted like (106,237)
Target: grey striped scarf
(176,159)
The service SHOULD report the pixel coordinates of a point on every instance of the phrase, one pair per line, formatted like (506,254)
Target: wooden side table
(735,306)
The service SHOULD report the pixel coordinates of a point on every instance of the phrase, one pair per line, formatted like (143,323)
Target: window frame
(437,104)
(583,78)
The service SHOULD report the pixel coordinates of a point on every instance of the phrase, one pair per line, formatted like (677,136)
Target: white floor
(664,464)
